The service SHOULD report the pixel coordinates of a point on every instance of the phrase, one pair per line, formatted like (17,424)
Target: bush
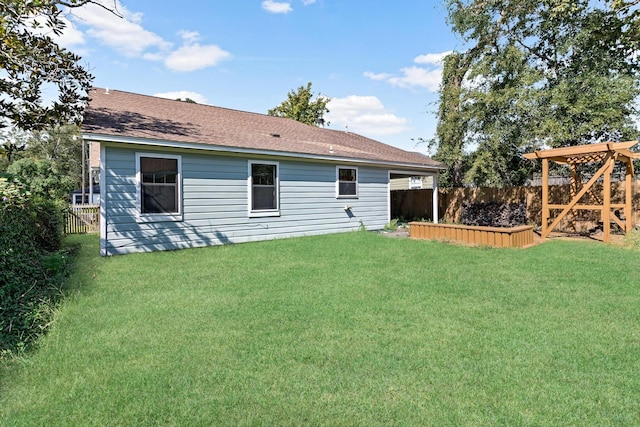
(49,220)
(29,233)
(493,214)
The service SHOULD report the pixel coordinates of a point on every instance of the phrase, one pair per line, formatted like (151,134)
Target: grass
(632,240)
(351,329)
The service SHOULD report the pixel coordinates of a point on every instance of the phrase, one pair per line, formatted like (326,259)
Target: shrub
(29,231)
(392,225)
(49,220)
(493,214)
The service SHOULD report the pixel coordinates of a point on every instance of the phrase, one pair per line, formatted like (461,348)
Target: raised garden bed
(499,237)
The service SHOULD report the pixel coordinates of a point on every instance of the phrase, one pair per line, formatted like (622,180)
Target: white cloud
(276,6)
(414,76)
(126,35)
(189,37)
(377,76)
(364,114)
(183,94)
(70,37)
(308,2)
(195,57)
(192,56)
(417,77)
(431,58)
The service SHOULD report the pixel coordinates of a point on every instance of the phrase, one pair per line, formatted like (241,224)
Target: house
(176,175)
(412,183)
(91,196)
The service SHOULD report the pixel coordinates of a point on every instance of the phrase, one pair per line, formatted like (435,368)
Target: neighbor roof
(114,115)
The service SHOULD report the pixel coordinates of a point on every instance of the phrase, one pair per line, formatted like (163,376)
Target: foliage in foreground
(351,329)
(31,265)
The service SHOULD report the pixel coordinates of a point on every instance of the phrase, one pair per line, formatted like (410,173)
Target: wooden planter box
(512,237)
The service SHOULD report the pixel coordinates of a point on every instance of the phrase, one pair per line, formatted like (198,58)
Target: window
(347,182)
(77,199)
(159,186)
(263,188)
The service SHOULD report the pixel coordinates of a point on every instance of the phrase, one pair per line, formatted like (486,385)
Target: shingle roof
(129,115)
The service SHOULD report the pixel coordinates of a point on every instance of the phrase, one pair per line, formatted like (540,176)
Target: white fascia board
(433,171)
(251,151)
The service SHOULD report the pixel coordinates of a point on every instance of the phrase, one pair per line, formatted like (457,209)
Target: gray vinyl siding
(215,203)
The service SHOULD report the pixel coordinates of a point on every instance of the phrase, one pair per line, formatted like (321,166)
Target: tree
(42,178)
(299,106)
(13,143)
(558,73)
(451,129)
(31,61)
(61,146)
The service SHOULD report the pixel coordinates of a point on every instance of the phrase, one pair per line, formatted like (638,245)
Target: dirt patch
(399,232)
(615,239)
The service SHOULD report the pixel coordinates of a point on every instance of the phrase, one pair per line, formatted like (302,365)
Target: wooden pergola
(607,154)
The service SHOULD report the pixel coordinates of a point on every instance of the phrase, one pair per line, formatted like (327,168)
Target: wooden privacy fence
(82,219)
(416,204)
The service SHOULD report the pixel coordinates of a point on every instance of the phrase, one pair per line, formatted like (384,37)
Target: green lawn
(349,329)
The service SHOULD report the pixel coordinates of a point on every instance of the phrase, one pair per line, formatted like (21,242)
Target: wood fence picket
(82,219)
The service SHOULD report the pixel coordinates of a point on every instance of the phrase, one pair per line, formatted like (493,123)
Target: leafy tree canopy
(300,106)
(49,162)
(62,146)
(13,143)
(32,64)
(42,178)
(556,72)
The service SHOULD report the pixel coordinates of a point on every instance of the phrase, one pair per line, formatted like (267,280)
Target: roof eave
(98,137)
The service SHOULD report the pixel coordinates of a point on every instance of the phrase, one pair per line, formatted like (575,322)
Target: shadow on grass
(71,272)
(65,274)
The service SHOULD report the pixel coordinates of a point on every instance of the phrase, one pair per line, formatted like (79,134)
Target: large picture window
(347,181)
(159,185)
(263,188)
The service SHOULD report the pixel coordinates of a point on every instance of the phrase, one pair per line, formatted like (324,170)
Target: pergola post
(573,190)
(545,196)
(628,196)
(606,208)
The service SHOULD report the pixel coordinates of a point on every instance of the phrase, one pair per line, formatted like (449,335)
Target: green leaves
(31,60)
(557,72)
(29,229)
(299,106)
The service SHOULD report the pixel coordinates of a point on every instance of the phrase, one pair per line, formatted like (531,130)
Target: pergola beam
(565,152)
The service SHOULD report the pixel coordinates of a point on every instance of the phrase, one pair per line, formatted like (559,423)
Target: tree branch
(80,3)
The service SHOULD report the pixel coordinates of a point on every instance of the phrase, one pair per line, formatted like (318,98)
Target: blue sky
(378,60)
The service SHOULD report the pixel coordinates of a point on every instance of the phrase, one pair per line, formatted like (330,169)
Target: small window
(159,186)
(77,199)
(263,188)
(347,182)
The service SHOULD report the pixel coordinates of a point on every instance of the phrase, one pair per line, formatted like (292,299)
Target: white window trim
(262,212)
(347,196)
(158,217)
